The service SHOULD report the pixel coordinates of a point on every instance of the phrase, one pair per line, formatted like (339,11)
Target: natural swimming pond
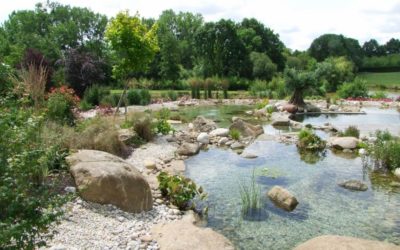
(324,207)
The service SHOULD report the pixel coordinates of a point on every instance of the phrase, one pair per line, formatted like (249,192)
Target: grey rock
(354,185)
(188,149)
(283,198)
(237,145)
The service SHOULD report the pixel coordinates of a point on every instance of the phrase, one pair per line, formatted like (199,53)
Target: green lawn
(390,79)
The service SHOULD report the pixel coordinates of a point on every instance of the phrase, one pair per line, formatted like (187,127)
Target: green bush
(384,153)
(234,134)
(138,97)
(351,131)
(94,94)
(172,95)
(28,203)
(355,89)
(179,189)
(309,141)
(111,100)
(59,108)
(379,95)
(163,127)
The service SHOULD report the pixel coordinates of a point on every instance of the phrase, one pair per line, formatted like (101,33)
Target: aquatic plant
(384,153)
(352,131)
(179,190)
(309,141)
(250,194)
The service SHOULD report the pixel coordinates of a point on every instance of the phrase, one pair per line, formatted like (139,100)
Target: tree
(263,67)
(334,71)
(392,46)
(256,37)
(299,81)
(83,70)
(133,44)
(372,48)
(219,49)
(332,45)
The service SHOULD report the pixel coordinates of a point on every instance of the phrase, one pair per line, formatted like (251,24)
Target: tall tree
(372,48)
(298,82)
(332,45)
(393,46)
(132,42)
(219,49)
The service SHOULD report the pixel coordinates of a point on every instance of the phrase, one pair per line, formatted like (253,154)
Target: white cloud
(297,22)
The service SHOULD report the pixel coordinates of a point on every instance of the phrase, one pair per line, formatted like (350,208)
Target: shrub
(309,141)
(163,127)
(262,104)
(172,95)
(97,134)
(138,97)
(143,126)
(60,103)
(94,94)
(358,88)
(5,82)
(234,134)
(384,153)
(28,204)
(351,131)
(110,100)
(179,189)
(379,95)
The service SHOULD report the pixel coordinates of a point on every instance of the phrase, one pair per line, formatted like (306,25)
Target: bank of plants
(356,89)
(308,141)
(234,134)
(384,153)
(28,203)
(180,190)
(351,131)
(60,104)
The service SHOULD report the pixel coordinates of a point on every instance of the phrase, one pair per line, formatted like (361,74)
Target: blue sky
(297,22)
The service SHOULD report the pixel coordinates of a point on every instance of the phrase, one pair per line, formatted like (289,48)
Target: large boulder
(203,138)
(354,185)
(202,124)
(334,242)
(188,149)
(184,234)
(280,119)
(283,198)
(290,108)
(107,179)
(222,132)
(246,129)
(343,142)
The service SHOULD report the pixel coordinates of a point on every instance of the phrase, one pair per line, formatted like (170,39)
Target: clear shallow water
(324,207)
(374,119)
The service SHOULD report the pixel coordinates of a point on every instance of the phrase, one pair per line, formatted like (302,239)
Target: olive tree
(299,81)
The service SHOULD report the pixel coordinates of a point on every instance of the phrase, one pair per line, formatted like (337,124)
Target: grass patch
(250,195)
(385,79)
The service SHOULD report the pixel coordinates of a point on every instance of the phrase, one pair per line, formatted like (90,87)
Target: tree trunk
(297,98)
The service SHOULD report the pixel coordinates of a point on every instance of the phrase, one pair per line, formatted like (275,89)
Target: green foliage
(383,63)
(28,203)
(163,127)
(5,83)
(309,141)
(234,134)
(274,89)
(262,104)
(172,95)
(299,82)
(94,94)
(133,44)
(138,97)
(60,103)
(250,194)
(384,153)
(379,95)
(358,88)
(334,71)
(263,67)
(352,131)
(179,189)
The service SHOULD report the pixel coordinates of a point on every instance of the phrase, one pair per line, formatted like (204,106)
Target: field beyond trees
(384,79)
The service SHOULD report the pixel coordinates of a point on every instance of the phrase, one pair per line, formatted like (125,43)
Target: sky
(297,22)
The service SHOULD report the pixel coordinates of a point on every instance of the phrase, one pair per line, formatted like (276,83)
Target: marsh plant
(309,141)
(250,195)
(352,131)
(234,134)
(384,153)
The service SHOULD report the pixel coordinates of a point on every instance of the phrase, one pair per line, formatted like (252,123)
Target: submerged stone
(283,198)
(354,185)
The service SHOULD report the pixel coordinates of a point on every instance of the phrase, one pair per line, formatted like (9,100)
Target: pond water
(374,119)
(324,207)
